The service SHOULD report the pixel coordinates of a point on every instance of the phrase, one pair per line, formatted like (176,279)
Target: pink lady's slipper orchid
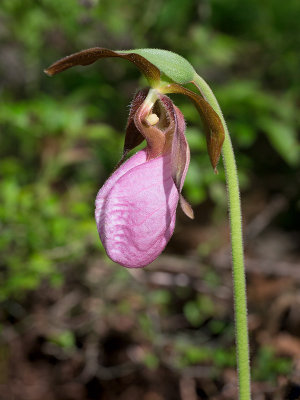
(136,208)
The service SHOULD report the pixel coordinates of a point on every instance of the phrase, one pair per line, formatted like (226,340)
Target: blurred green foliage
(268,365)
(61,137)
(191,354)
(197,311)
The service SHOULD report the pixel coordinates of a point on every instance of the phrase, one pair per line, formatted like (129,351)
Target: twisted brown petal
(89,56)
(133,136)
(180,151)
(213,126)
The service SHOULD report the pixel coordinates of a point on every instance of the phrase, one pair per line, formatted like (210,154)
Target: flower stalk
(239,279)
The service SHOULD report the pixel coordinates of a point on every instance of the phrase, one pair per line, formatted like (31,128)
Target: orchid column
(136,208)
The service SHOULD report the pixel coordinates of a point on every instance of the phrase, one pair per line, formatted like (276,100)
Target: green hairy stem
(239,281)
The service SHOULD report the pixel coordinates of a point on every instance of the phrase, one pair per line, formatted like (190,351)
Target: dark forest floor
(109,333)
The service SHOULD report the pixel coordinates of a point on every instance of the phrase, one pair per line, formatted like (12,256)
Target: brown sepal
(133,136)
(213,126)
(89,56)
(180,151)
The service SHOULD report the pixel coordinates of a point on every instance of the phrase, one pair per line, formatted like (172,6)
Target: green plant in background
(268,365)
(166,73)
(259,99)
(249,50)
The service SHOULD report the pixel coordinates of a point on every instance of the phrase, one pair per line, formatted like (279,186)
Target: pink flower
(136,207)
